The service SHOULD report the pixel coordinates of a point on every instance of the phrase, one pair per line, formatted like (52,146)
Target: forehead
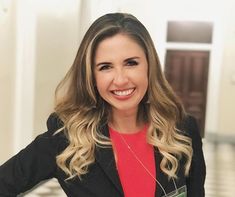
(119,44)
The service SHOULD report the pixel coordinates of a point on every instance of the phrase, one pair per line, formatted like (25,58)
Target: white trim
(24,76)
(214,76)
(188,46)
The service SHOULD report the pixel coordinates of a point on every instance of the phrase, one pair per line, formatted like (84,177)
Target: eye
(104,67)
(131,63)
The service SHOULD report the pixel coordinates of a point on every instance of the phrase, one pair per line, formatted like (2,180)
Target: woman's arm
(31,165)
(196,179)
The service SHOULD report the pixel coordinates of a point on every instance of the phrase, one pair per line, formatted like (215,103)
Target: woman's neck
(125,122)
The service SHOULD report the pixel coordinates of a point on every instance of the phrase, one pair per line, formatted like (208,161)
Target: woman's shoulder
(54,137)
(188,121)
(54,123)
(189,126)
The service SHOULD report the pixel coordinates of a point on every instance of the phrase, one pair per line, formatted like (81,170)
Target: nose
(120,78)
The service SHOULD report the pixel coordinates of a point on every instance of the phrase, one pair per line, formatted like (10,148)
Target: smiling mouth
(123,92)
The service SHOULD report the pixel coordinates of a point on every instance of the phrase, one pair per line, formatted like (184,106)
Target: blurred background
(195,41)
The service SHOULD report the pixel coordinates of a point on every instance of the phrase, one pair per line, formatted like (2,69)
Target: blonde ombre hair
(84,112)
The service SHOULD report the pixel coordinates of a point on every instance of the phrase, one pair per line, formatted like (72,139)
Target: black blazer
(37,162)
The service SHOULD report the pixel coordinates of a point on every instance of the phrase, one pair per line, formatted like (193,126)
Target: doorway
(187,73)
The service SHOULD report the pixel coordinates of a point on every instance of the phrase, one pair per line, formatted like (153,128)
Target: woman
(118,128)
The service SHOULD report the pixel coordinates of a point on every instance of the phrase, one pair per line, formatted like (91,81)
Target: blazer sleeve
(196,178)
(33,164)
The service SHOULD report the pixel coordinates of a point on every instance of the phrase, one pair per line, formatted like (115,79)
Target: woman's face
(121,72)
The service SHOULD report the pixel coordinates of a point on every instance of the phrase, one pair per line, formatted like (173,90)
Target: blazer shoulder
(54,123)
(189,126)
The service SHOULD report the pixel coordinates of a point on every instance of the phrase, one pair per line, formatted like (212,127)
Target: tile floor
(220,160)
(220,180)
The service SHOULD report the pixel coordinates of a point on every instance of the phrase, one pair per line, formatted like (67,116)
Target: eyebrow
(126,60)
(131,58)
(102,63)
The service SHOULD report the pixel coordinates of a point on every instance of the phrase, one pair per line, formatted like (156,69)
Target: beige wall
(227,96)
(56,39)
(56,46)
(7,73)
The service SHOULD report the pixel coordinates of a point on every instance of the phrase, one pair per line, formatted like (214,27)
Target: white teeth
(123,93)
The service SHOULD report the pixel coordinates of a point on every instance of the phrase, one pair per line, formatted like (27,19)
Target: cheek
(143,77)
(145,83)
(101,83)
(98,84)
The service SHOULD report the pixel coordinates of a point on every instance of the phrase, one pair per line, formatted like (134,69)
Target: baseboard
(220,138)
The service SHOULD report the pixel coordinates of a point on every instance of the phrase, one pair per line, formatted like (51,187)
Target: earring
(147,102)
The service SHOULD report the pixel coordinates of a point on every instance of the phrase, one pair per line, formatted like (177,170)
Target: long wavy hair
(83,111)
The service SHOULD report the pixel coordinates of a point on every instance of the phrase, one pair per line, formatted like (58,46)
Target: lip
(123,94)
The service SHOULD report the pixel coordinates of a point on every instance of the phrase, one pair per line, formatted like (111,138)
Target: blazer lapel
(105,158)
(160,176)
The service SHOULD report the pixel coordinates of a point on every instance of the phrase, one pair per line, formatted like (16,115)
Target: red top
(135,180)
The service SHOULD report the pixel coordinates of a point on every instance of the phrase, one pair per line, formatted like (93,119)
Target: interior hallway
(220,180)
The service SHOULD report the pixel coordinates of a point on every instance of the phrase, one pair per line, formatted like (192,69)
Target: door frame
(214,76)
